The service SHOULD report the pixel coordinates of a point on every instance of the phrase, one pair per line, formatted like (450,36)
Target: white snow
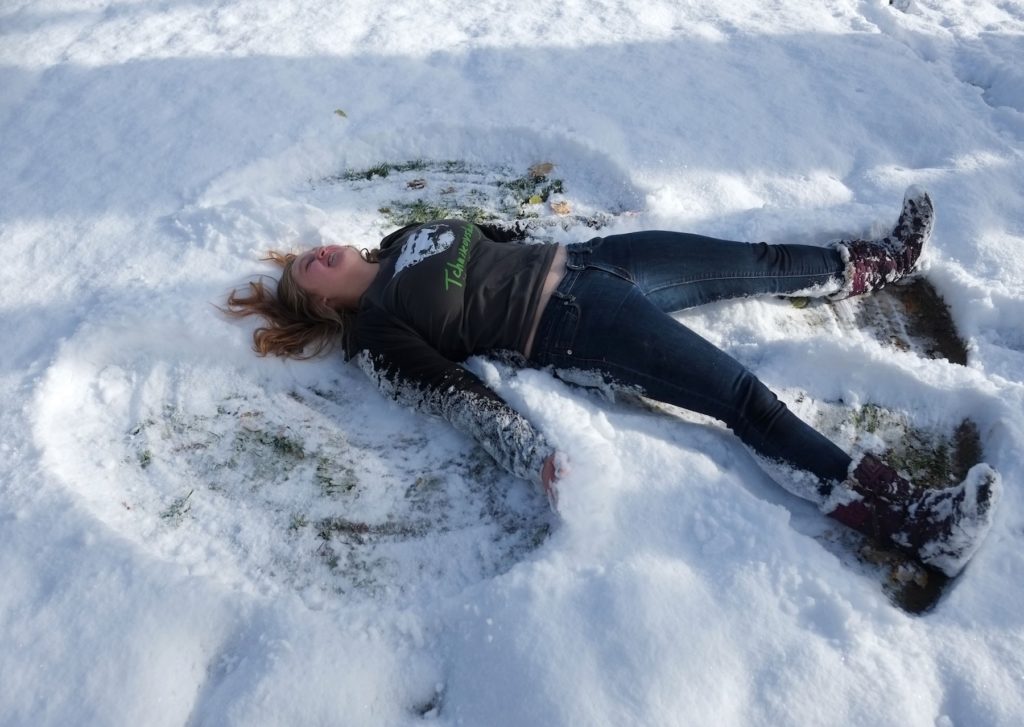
(160,485)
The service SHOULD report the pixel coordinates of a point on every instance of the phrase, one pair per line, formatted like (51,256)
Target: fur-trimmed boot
(941,528)
(872,264)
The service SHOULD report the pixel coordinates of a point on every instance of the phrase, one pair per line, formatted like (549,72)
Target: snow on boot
(872,264)
(941,528)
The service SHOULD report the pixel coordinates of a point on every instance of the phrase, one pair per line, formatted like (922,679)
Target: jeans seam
(613,270)
(731,277)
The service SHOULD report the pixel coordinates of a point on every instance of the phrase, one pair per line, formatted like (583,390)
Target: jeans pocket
(564,334)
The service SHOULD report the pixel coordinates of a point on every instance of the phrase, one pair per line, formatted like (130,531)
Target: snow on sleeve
(468,405)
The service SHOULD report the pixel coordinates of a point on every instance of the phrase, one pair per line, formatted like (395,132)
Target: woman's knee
(754,405)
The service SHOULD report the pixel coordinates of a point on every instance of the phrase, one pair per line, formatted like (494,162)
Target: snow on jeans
(610,317)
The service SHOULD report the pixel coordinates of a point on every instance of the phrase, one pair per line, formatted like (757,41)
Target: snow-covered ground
(193,535)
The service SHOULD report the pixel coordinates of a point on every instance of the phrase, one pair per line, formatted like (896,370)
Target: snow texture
(193,535)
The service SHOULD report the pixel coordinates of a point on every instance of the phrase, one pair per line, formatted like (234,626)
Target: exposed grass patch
(178,509)
(868,418)
(400,213)
(489,195)
(384,170)
(931,458)
(455,189)
(529,189)
(335,479)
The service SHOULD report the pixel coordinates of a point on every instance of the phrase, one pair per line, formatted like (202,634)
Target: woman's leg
(601,323)
(677,270)
(608,318)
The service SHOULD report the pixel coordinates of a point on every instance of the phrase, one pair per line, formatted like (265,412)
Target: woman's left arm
(411,371)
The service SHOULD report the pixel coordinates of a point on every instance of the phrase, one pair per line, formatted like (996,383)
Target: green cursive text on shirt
(455,271)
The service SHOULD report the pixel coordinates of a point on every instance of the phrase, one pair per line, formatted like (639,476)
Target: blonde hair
(298,325)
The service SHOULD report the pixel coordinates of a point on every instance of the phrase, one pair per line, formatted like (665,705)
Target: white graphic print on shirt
(426,242)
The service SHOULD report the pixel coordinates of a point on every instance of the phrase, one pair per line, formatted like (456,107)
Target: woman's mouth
(331,258)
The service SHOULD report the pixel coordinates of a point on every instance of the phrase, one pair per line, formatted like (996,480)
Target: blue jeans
(609,320)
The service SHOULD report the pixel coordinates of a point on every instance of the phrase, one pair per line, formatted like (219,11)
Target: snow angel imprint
(601,308)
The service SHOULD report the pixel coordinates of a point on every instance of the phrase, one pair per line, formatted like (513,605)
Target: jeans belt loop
(575,260)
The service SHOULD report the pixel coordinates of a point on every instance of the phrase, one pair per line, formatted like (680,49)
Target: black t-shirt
(457,289)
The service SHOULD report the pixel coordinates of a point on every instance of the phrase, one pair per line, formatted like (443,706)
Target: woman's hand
(549,475)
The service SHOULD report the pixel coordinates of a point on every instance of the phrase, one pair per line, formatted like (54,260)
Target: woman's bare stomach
(554,277)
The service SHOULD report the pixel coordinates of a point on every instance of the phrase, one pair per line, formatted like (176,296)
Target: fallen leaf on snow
(541,170)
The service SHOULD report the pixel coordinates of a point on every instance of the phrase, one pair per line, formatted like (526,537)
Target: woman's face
(328,272)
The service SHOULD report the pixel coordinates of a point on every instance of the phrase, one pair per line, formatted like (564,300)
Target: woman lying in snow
(597,313)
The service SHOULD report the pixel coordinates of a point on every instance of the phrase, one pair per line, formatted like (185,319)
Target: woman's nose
(321,252)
